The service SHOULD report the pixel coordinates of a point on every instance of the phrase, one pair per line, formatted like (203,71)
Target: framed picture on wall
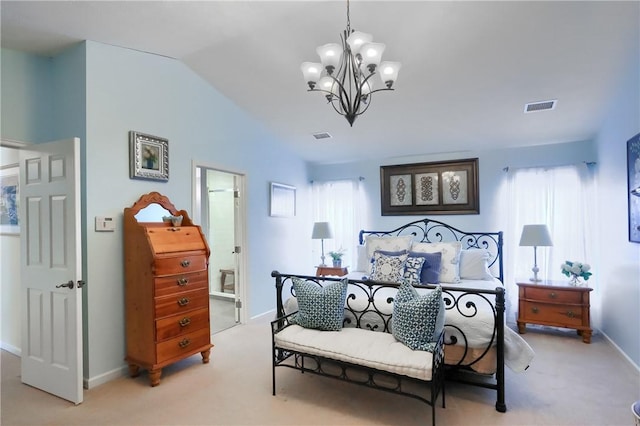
(443,187)
(633,187)
(148,157)
(9,199)
(283,200)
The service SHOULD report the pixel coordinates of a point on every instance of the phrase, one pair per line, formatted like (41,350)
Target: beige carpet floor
(569,383)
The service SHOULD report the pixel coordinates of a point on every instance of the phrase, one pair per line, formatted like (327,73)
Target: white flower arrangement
(576,270)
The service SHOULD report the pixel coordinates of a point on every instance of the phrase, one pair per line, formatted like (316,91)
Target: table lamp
(535,236)
(321,230)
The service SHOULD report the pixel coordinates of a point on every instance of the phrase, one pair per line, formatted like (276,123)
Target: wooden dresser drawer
(180,264)
(553,295)
(181,282)
(181,303)
(177,325)
(559,315)
(184,344)
(175,239)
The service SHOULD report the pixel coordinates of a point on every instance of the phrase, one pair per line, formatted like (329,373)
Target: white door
(51,268)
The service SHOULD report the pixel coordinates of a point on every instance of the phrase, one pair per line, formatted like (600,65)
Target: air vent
(540,106)
(322,135)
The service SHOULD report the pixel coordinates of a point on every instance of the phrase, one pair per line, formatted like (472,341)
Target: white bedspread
(478,329)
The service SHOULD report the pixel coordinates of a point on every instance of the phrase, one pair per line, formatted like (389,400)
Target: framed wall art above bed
(443,187)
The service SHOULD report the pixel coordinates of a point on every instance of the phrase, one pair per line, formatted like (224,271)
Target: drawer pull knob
(183,281)
(184,301)
(571,314)
(534,310)
(184,343)
(184,321)
(185,263)
(553,295)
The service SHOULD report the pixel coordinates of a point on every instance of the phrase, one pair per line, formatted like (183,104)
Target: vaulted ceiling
(468,68)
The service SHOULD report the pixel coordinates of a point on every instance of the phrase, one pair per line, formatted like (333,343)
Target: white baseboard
(11,349)
(116,373)
(264,317)
(624,355)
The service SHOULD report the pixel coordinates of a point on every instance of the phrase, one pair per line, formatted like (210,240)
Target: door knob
(67,284)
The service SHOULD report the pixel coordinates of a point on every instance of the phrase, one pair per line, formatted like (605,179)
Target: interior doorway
(219,204)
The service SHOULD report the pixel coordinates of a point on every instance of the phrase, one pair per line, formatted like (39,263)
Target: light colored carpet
(569,383)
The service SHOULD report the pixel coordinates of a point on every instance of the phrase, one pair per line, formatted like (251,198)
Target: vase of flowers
(336,257)
(575,271)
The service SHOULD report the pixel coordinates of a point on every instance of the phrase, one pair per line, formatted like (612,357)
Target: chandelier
(349,89)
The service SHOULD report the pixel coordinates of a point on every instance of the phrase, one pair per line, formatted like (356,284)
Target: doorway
(219,205)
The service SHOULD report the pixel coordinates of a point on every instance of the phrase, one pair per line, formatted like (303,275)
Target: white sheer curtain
(561,198)
(338,203)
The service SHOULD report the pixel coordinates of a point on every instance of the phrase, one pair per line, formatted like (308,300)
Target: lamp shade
(536,236)
(321,230)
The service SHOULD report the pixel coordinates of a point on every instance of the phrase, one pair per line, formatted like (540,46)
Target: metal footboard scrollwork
(369,305)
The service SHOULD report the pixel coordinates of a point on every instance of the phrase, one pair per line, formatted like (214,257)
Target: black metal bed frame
(349,372)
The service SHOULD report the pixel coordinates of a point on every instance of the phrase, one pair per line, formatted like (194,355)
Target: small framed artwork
(283,200)
(443,187)
(10,199)
(148,157)
(633,187)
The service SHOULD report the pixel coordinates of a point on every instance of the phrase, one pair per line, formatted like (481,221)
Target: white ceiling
(468,68)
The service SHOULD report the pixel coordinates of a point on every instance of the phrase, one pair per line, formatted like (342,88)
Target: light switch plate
(105,224)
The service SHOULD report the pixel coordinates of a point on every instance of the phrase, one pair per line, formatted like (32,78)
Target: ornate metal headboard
(432,231)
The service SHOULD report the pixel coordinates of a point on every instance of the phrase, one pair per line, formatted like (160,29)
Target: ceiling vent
(540,106)
(322,135)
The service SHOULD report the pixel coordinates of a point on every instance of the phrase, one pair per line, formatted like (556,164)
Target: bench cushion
(357,346)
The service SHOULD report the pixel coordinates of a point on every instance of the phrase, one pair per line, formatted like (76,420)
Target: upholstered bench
(313,340)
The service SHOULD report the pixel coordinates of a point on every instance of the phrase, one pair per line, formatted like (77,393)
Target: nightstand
(330,270)
(554,304)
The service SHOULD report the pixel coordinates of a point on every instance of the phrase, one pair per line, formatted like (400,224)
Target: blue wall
(100,93)
(620,281)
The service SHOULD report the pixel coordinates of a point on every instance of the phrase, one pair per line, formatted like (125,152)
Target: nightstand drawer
(558,315)
(553,295)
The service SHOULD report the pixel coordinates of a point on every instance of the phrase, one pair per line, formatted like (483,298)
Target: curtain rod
(360,178)
(588,163)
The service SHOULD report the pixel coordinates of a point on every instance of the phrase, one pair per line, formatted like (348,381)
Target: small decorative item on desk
(576,270)
(174,220)
(336,256)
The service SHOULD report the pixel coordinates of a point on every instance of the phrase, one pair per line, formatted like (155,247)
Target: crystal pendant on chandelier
(350,72)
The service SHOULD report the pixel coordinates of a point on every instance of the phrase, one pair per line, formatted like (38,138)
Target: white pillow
(449,267)
(363,262)
(474,264)
(389,269)
(392,244)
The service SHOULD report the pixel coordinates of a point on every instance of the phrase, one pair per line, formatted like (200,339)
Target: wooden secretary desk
(166,288)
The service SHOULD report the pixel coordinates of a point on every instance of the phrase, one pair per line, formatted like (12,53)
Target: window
(338,202)
(561,198)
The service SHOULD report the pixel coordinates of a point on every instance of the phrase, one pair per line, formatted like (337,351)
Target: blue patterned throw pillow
(431,269)
(413,270)
(417,319)
(388,268)
(321,308)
